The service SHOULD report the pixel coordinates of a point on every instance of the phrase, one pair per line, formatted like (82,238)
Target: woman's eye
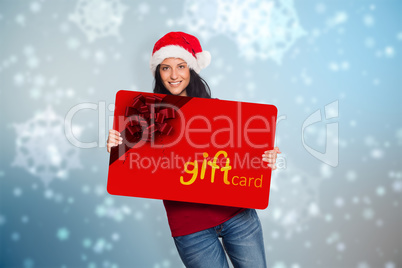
(182,66)
(164,68)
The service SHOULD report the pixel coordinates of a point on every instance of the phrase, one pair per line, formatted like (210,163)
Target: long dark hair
(197,87)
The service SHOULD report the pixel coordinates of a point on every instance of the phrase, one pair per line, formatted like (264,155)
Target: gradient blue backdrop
(298,55)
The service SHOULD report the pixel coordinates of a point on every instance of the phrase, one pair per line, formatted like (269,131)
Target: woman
(176,60)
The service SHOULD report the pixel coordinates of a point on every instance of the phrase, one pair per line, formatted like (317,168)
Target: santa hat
(180,45)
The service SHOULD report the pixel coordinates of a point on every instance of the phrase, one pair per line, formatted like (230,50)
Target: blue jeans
(242,240)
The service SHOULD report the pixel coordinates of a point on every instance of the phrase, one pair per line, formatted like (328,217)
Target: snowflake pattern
(99,18)
(42,148)
(356,44)
(294,199)
(109,210)
(261,29)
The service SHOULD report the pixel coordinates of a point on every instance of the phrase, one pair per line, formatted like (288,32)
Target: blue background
(298,55)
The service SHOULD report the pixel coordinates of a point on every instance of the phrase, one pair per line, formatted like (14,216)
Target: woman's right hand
(114,139)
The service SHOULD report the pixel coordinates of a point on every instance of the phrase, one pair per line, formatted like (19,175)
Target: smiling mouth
(175,83)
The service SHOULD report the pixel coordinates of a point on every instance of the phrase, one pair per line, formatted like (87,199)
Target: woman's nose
(173,74)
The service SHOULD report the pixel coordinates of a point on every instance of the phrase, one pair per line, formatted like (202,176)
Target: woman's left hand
(270,157)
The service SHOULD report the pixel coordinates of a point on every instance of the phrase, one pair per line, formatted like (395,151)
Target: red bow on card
(147,117)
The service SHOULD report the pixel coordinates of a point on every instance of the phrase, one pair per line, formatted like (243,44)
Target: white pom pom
(203,59)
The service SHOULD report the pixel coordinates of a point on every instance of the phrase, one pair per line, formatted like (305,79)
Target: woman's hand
(270,157)
(114,139)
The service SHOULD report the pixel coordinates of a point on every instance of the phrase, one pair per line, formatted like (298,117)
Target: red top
(187,218)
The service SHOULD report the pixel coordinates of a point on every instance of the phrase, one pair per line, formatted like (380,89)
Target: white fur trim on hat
(204,59)
(172,51)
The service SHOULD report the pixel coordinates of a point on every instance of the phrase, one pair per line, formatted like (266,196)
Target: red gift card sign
(192,149)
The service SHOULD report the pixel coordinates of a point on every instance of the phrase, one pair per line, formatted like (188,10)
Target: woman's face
(175,75)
